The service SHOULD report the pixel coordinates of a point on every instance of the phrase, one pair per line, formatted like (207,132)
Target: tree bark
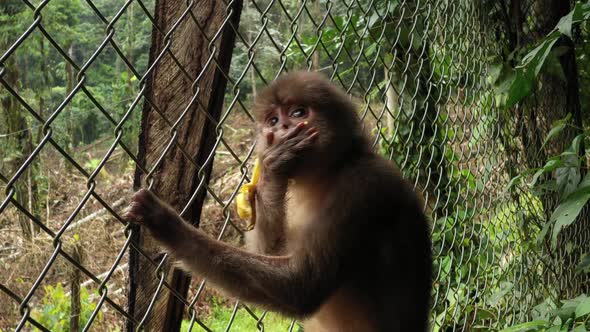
(392,103)
(18,141)
(175,178)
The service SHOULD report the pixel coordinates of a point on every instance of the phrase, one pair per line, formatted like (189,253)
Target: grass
(243,321)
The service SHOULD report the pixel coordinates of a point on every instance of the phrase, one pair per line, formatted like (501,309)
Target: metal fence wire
(75,75)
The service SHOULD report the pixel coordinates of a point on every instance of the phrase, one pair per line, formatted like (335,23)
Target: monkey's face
(300,102)
(281,120)
(290,123)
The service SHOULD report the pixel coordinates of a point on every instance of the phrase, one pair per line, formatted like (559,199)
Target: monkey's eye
(298,112)
(273,121)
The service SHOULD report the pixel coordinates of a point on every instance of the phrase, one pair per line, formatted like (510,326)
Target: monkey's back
(394,256)
(383,242)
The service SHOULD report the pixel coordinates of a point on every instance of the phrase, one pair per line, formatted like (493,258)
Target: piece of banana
(243,198)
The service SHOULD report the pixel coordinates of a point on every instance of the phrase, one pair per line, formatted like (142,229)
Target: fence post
(170,87)
(75,282)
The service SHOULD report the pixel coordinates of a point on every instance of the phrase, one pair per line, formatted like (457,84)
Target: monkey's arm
(295,285)
(278,161)
(282,283)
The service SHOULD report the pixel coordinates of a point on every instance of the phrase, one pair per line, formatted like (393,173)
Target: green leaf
(581,12)
(370,50)
(527,72)
(584,265)
(550,166)
(485,314)
(565,24)
(505,81)
(533,62)
(529,326)
(505,287)
(536,57)
(557,128)
(585,182)
(567,179)
(494,72)
(567,211)
(574,149)
(520,87)
(543,233)
(373,19)
(446,265)
(567,311)
(583,308)
(514,181)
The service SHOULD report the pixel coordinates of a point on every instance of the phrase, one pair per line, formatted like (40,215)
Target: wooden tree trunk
(392,103)
(19,140)
(175,177)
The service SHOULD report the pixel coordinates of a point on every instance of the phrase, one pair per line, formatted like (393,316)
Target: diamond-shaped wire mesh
(74,76)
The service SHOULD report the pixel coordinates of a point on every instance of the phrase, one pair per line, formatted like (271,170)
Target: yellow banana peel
(243,206)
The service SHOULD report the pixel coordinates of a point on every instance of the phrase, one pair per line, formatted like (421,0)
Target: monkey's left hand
(284,153)
(149,211)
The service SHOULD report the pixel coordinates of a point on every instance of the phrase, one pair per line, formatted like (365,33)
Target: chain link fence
(74,78)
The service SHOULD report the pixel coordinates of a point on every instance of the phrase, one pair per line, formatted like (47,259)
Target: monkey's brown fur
(340,238)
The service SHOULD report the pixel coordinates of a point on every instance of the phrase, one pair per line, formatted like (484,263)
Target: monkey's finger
(141,203)
(306,142)
(310,131)
(298,141)
(295,131)
(143,197)
(312,137)
(131,216)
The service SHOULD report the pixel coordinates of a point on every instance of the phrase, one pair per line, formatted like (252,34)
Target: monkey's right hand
(149,211)
(284,154)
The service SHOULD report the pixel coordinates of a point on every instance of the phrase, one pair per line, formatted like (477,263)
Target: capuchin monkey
(340,238)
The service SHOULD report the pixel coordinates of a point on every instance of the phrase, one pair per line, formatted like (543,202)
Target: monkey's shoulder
(377,192)
(377,178)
